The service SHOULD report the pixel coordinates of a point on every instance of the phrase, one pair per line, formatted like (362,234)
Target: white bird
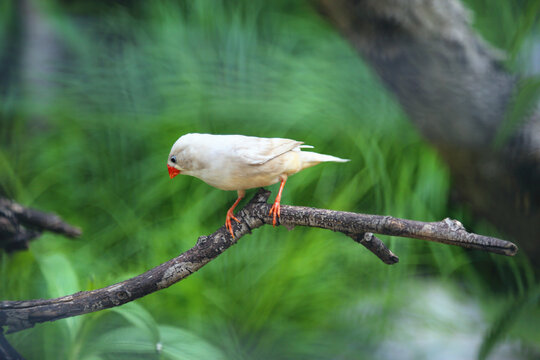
(237,162)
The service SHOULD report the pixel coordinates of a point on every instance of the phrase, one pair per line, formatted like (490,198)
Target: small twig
(39,219)
(376,246)
(19,225)
(7,352)
(19,315)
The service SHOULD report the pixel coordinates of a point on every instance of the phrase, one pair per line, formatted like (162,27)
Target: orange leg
(230,214)
(275,209)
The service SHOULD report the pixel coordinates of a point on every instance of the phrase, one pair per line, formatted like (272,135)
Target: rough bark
(19,315)
(457,93)
(19,225)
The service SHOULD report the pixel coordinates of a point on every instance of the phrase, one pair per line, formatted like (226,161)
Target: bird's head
(180,158)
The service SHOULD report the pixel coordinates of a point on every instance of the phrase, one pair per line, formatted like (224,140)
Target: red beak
(172,171)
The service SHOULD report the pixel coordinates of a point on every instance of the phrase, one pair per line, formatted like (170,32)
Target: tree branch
(7,352)
(19,315)
(458,93)
(15,219)
(376,246)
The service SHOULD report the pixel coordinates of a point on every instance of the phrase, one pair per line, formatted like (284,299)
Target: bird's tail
(313,158)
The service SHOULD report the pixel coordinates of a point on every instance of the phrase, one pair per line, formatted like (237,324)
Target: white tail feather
(313,157)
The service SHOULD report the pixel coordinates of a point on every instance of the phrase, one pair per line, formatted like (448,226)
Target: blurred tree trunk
(29,54)
(457,93)
(42,52)
(10,50)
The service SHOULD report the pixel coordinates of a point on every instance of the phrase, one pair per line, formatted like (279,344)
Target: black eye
(173,159)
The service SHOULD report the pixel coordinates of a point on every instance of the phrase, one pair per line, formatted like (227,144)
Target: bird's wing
(257,151)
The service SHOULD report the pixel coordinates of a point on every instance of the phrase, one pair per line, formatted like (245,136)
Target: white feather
(237,162)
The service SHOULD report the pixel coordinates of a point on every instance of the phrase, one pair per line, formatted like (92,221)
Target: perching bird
(237,162)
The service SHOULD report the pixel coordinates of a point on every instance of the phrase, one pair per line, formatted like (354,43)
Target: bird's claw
(275,210)
(228,224)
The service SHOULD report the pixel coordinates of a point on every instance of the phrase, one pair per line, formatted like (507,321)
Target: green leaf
(140,318)
(61,279)
(180,344)
(134,343)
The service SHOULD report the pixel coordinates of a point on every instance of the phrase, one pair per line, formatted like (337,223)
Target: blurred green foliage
(87,136)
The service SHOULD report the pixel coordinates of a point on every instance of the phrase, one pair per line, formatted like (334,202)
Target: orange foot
(275,209)
(230,214)
(228,224)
